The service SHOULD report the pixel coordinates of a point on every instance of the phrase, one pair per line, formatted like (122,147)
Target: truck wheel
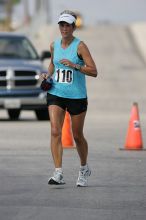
(42,114)
(13,114)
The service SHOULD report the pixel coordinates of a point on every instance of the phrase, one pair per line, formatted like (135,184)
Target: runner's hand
(44,75)
(67,62)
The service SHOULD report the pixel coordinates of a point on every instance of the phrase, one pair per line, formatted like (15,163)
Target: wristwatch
(77,67)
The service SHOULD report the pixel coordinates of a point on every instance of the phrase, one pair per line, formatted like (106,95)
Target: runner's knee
(55,132)
(78,137)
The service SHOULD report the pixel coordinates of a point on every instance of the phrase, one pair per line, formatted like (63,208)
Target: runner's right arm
(51,65)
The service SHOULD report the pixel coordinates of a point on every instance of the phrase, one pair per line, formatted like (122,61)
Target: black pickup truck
(20,69)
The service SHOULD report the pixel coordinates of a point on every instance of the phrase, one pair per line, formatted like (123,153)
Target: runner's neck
(66,42)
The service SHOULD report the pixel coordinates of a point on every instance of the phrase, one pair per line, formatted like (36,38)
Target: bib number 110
(64,76)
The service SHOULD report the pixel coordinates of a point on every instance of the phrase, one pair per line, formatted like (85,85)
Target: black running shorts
(73,106)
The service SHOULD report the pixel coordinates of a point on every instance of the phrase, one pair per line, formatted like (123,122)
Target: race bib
(64,75)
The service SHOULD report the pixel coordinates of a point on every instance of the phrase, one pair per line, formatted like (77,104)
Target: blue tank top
(67,82)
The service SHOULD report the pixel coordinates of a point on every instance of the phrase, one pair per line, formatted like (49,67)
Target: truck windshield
(13,47)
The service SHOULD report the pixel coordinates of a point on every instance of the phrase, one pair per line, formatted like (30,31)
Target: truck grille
(25,83)
(3,73)
(11,79)
(24,73)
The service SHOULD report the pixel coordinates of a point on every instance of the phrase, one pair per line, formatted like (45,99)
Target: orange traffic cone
(67,137)
(134,135)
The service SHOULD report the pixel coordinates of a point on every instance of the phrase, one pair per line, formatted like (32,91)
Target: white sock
(59,169)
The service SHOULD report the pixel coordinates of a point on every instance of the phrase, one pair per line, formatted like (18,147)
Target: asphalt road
(117,186)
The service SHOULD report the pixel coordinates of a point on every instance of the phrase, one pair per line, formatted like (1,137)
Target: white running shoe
(83,177)
(56,179)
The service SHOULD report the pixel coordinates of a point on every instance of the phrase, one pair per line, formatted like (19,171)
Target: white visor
(67,18)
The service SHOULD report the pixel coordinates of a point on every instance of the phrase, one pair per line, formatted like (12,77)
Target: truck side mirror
(45,55)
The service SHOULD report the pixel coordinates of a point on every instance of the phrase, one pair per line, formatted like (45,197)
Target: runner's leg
(57,115)
(81,143)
